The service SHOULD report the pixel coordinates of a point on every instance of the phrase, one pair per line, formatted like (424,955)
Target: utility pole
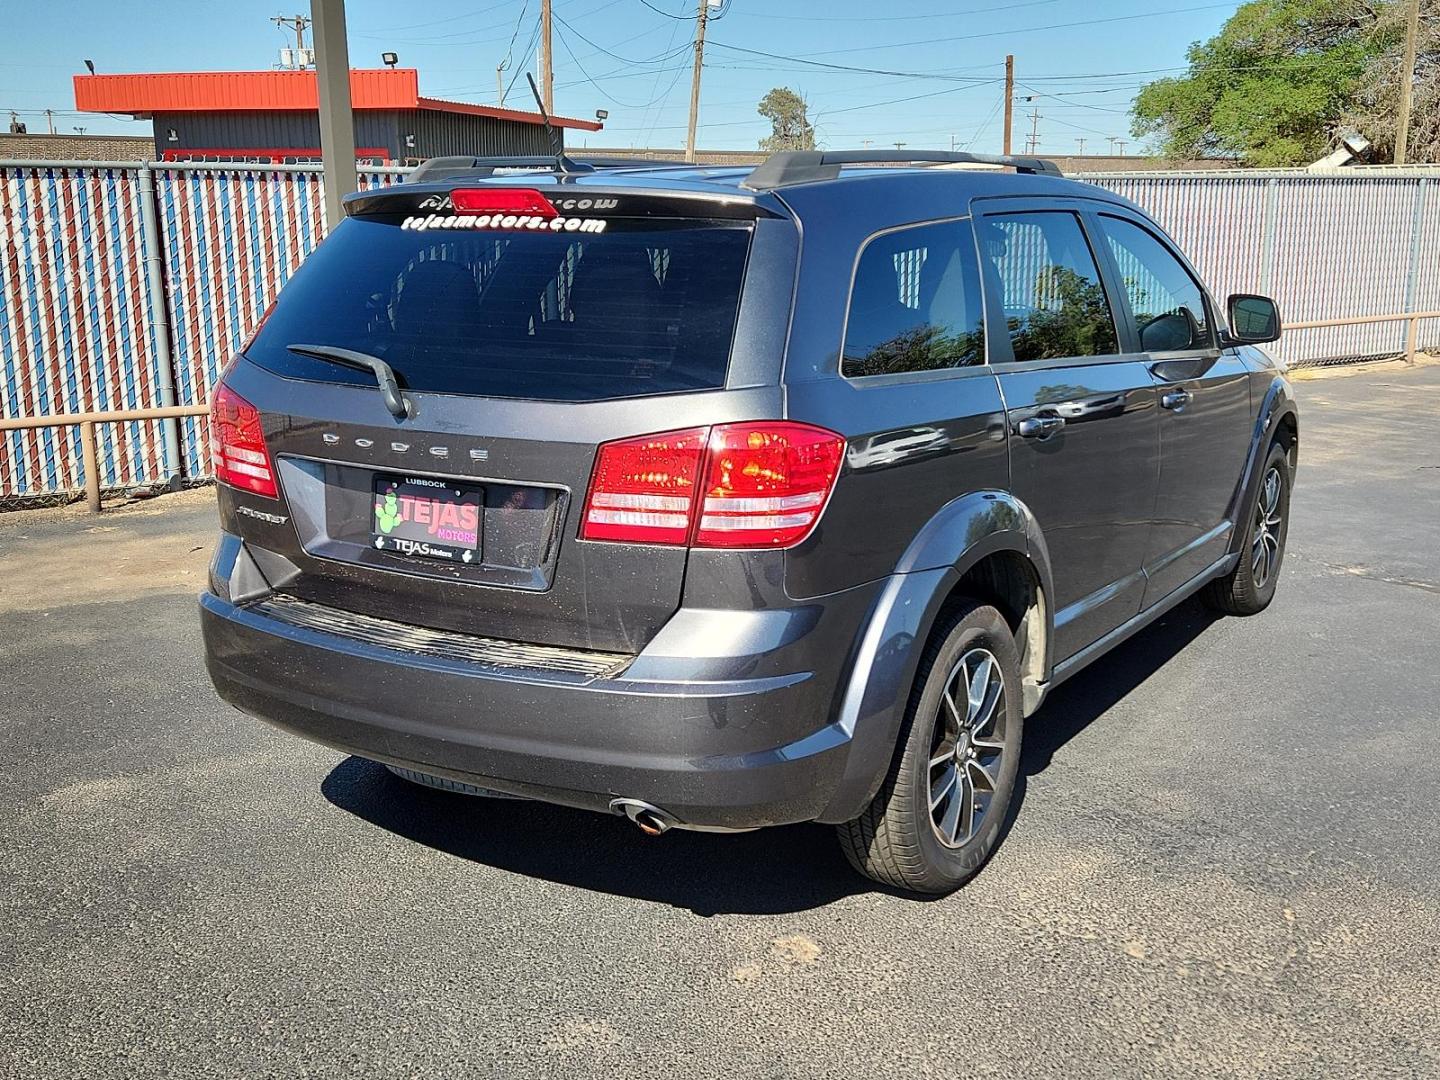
(899,146)
(547,68)
(500,85)
(50,120)
(1081,144)
(298,23)
(701,17)
(1009,97)
(337,123)
(1032,142)
(1407,83)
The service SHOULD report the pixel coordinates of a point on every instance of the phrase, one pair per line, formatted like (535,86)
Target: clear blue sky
(1086,56)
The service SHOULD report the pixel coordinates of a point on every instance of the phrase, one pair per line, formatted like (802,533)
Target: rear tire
(942,808)
(1249,588)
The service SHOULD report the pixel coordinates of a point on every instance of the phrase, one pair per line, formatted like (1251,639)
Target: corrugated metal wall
(440,133)
(1324,245)
(75,327)
(436,133)
(76,332)
(268,131)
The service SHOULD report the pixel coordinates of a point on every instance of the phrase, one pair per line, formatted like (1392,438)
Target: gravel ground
(1225,862)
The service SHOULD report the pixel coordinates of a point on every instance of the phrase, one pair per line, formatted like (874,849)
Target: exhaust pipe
(650,820)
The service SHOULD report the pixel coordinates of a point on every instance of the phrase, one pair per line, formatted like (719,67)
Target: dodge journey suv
(721,498)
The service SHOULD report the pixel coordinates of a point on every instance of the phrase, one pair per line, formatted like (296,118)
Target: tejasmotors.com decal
(504,221)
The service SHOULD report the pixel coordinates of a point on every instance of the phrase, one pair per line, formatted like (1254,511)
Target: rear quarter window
(916,303)
(645,307)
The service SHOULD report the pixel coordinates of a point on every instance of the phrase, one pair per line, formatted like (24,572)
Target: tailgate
(521,350)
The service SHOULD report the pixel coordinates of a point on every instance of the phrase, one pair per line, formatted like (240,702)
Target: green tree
(1273,87)
(790,127)
(1375,110)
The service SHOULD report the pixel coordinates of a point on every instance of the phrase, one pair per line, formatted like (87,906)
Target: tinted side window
(1055,305)
(916,303)
(1168,305)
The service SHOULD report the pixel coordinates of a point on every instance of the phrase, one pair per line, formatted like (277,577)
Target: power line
(894,18)
(913,97)
(1075,104)
(989,119)
(661,101)
(652,7)
(623,59)
(564,41)
(849,67)
(534,37)
(437,22)
(1006,33)
(1078,127)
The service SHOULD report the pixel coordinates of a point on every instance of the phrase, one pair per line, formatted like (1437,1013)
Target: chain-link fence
(125,286)
(1331,245)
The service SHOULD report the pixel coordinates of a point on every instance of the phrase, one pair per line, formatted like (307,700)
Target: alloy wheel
(969,747)
(1265,546)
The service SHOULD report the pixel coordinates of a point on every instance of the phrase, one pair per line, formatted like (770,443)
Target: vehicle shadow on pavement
(1088,695)
(772,871)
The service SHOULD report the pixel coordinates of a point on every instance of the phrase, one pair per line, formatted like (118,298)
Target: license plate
(430,519)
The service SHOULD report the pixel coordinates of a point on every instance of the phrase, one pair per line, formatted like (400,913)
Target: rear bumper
(731,743)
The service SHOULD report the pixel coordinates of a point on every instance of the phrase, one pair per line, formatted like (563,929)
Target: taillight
(501,201)
(754,485)
(766,483)
(643,490)
(237,446)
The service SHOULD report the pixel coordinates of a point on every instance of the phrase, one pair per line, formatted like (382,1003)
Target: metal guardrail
(87,422)
(1412,330)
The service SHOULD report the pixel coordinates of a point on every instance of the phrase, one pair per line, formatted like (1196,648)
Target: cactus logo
(387,513)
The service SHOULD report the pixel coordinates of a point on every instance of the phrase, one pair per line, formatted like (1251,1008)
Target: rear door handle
(1039,427)
(1175,399)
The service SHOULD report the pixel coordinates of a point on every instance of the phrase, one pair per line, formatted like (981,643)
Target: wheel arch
(985,546)
(1277,418)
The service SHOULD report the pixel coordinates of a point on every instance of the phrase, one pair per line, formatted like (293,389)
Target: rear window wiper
(384,374)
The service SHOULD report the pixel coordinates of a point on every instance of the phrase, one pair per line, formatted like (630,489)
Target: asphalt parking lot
(1225,862)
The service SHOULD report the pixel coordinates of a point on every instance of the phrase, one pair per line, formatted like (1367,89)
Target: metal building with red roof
(273,116)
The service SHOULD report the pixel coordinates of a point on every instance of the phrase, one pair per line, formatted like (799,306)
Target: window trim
(927,374)
(1153,231)
(1081,210)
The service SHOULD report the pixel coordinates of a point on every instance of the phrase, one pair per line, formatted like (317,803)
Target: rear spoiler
(432,197)
(441,168)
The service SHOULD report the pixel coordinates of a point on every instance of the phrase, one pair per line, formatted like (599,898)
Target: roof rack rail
(806,166)
(438,168)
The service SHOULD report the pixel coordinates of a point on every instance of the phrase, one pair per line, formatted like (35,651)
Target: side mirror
(1254,320)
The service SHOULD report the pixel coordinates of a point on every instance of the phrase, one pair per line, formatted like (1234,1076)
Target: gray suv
(722,498)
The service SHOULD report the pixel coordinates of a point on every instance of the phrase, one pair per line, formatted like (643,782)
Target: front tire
(1249,588)
(942,808)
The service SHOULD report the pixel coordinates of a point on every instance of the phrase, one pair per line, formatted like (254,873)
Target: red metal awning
(275,91)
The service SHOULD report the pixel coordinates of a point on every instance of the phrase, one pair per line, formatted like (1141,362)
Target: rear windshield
(641,308)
